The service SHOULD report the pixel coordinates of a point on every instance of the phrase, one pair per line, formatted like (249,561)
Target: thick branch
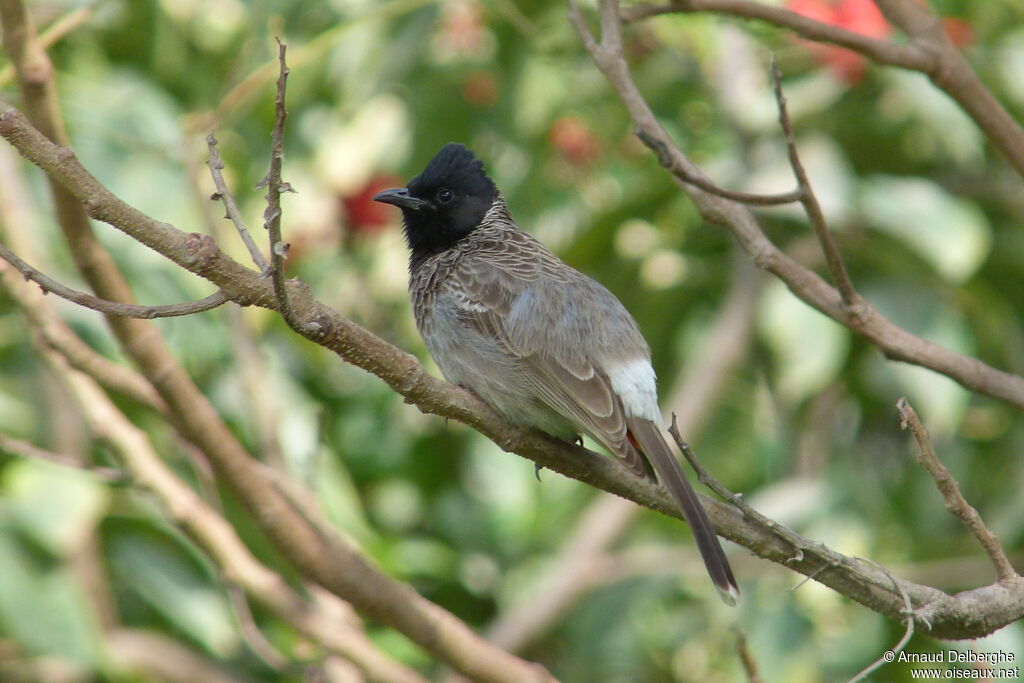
(965,615)
(335,566)
(215,535)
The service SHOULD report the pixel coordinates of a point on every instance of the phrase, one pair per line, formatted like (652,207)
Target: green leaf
(940,401)
(42,607)
(950,233)
(57,507)
(809,348)
(168,578)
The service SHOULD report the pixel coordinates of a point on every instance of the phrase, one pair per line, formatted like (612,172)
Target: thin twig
(809,200)
(951,495)
(275,186)
(747,658)
(48,284)
(698,180)
(216,165)
(24,449)
(608,54)
(890,654)
(704,477)
(251,633)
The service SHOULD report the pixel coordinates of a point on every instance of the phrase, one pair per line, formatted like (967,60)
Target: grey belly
(478,363)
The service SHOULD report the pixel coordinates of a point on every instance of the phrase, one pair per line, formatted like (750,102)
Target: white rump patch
(635,384)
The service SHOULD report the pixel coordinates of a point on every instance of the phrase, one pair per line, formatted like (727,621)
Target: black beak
(401,198)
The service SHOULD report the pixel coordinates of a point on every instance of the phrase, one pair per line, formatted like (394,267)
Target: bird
(544,345)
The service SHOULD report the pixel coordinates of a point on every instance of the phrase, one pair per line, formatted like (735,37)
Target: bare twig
(809,201)
(216,165)
(951,495)
(705,478)
(890,654)
(24,449)
(747,658)
(275,186)
(48,284)
(697,179)
(800,546)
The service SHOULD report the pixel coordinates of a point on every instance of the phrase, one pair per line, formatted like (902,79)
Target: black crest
(445,202)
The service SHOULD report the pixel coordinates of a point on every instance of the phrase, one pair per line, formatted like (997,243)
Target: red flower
(858,16)
(863,17)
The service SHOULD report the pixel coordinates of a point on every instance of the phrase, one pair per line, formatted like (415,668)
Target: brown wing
(514,291)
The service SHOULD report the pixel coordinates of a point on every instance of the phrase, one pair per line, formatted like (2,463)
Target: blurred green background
(927,217)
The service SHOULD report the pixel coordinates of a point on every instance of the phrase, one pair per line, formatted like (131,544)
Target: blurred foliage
(926,215)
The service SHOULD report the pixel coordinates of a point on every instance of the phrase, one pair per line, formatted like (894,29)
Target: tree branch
(930,52)
(216,165)
(275,186)
(951,495)
(895,342)
(965,615)
(48,284)
(24,449)
(809,201)
(336,566)
(213,533)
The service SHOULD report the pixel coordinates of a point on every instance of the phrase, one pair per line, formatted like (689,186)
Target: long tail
(653,445)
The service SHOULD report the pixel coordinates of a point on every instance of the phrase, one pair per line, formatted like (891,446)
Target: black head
(445,202)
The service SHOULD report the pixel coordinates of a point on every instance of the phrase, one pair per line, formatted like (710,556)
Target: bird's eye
(444,196)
